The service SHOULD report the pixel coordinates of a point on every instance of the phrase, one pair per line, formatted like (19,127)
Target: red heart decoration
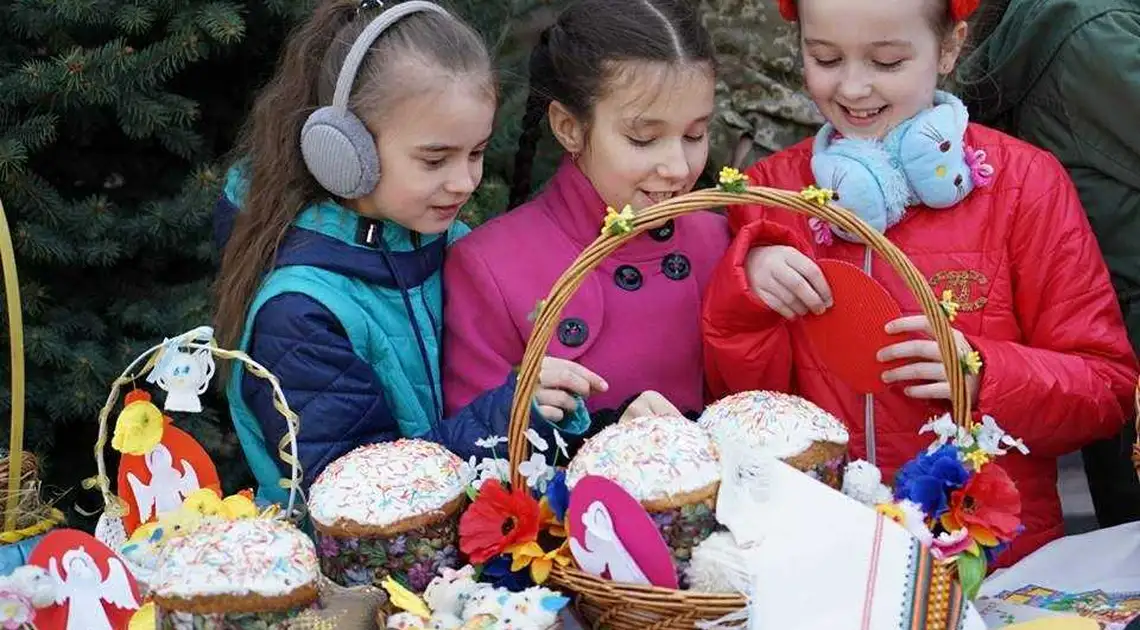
(849,335)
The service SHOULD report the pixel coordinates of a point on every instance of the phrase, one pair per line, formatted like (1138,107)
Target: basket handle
(286,449)
(16,348)
(550,309)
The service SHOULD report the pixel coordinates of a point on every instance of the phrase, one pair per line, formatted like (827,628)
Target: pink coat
(635,321)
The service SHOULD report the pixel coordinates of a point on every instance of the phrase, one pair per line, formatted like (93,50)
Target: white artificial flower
(991,437)
(943,427)
(494,468)
(561,443)
(536,440)
(536,472)
(490,441)
(467,471)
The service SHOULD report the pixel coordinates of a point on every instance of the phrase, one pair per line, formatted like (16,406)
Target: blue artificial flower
(929,478)
(498,573)
(558,495)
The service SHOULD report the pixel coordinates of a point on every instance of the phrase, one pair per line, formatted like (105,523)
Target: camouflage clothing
(759,85)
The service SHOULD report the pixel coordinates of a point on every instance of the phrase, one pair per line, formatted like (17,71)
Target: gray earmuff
(338,149)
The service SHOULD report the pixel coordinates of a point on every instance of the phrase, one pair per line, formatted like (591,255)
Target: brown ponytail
(279,184)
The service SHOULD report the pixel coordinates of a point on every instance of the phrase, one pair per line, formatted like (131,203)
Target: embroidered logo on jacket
(964,285)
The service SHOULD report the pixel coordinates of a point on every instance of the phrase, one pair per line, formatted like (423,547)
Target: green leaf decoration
(971,571)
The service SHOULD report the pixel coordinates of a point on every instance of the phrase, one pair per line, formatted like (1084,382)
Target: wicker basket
(110,529)
(620,606)
(26,518)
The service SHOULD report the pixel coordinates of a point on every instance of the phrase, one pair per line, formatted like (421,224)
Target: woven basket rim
(669,604)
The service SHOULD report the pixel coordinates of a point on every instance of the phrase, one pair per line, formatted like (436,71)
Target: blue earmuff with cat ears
(337,147)
(923,160)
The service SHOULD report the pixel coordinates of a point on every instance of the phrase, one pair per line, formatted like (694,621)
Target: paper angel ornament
(612,535)
(159,482)
(185,376)
(603,551)
(93,588)
(168,486)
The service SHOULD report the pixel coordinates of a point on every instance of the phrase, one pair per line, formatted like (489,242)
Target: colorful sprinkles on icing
(259,556)
(652,458)
(380,484)
(783,424)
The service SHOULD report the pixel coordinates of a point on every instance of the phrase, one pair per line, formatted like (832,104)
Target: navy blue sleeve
(339,398)
(336,395)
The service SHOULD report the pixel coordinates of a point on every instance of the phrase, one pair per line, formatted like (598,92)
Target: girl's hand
(559,381)
(787,281)
(649,403)
(928,361)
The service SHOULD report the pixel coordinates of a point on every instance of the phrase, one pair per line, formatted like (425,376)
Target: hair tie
(959,9)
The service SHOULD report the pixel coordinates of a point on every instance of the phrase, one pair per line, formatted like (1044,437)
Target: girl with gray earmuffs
(335,219)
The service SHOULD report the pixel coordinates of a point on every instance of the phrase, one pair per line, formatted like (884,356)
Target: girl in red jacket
(991,219)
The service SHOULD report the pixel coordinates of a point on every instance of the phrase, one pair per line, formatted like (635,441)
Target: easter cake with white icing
(670,465)
(390,508)
(233,573)
(787,427)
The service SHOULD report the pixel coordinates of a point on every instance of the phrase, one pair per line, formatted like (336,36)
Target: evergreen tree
(116,117)
(112,116)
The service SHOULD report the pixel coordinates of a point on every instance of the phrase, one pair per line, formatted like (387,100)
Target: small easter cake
(389,509)
(670,465)
(256,572)
(787,427)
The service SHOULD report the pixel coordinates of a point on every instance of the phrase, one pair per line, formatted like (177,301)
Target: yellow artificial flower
(541,562)
(145,618)
(972,362)
(818,196)
(139,426)
(618,223)
(732,180)
(978,458)
(949,305)
(548,520)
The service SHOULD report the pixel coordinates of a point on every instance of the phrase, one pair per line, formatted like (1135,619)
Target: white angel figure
(84,590)
(168,487)
(604,550)
(186,376)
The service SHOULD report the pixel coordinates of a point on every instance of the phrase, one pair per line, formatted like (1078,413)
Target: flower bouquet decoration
(957,500)
(514,536)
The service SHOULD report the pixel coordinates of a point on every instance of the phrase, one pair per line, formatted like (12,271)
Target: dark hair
(279,184)
(573,61)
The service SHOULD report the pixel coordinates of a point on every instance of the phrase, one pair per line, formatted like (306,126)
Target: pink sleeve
(480,342)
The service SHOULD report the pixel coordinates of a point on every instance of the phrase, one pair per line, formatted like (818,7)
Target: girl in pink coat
(628,92)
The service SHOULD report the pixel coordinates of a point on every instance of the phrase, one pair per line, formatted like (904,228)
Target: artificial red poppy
(497,520)
(988,506)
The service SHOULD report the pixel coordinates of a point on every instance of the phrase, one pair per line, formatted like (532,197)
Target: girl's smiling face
(647,140)
(870,65)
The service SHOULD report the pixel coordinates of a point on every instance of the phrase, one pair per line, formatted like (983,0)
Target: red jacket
(1035,299)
